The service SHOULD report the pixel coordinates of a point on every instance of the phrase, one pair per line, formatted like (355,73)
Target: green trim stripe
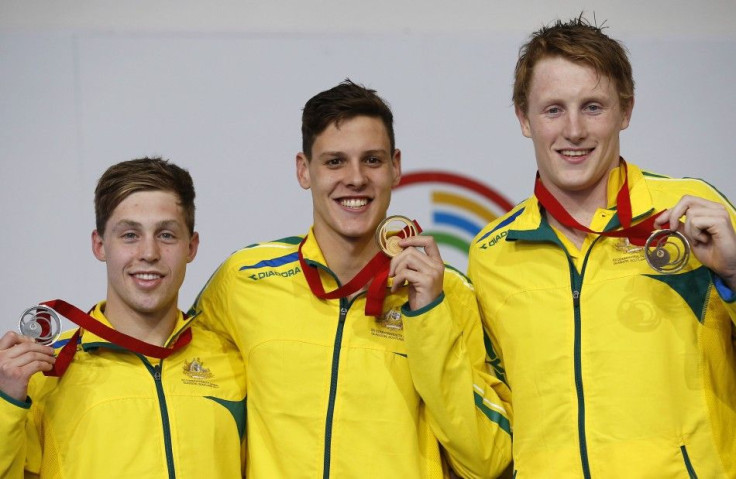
(692,286)
(21,404)
(236,408)
(290,240)
(494,416)
(494,359)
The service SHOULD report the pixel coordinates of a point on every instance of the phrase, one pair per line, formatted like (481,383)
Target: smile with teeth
(354,202)
(147,276)
(575,152)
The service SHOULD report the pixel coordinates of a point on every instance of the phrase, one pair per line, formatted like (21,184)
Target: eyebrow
(125,224)
(377,151)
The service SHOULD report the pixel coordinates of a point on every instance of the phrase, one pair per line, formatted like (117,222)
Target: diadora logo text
(267,274)
(492,240)
(455,209)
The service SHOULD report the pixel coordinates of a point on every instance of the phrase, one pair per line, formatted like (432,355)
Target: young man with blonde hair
(618,343)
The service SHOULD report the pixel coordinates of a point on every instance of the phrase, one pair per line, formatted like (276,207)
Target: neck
(153,328)
(581,205)
(346,257)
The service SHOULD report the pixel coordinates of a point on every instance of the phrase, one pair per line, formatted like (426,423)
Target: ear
(302,171)
(396,163)
(193,247)
(627,114)
(98,246)
(524,122)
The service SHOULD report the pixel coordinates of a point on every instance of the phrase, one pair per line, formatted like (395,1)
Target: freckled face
(146,246)
(574,119)
(351,173)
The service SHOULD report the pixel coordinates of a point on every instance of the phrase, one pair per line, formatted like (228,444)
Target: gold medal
(387,233)
(40,323)
(667,251)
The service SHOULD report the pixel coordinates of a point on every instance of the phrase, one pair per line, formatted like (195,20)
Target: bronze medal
(667,251)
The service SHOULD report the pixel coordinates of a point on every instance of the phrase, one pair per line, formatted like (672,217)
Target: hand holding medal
(708,226)
(418,266)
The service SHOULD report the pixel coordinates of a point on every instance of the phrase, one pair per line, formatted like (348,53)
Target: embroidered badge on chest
(392,320)
(198,375)
(195,369)
(625,246)
(630,252)
(389,325)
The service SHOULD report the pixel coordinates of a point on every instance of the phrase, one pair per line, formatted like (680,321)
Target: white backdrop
(227,106)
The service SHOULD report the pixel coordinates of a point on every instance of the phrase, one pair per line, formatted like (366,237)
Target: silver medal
(667,251)
(40,323)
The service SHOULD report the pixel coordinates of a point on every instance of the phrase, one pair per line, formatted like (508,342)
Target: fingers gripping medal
(40,323)
(388,234)
(667,251)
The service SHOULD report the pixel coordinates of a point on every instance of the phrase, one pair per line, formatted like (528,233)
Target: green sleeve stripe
(492,415)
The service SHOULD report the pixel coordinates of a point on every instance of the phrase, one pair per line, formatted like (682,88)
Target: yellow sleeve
(468,406)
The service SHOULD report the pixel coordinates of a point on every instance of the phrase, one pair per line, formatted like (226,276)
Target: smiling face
(351,173)
(146,246)
(574,118)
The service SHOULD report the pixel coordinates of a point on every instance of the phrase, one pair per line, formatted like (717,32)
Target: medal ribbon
(88,323)
(375,272)
(637,234)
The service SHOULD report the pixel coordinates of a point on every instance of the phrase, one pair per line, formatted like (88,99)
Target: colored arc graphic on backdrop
(441,199)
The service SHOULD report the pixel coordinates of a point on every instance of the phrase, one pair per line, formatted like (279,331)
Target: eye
(129,236)
(373,160)
(333,162)
(167,236)
(593,108)
(553,111)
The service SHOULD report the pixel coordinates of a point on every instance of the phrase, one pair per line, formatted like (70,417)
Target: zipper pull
(157,372)
(576,298)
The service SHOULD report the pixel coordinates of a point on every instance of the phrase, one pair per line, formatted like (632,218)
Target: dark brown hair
(343,102)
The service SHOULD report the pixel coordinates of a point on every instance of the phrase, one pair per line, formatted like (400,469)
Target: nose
(575,128)
(355,176)
(149,249)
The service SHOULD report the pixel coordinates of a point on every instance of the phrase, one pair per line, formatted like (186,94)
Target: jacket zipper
(579,384)
(688,464)
(164,419)
(576,283)
(333,387)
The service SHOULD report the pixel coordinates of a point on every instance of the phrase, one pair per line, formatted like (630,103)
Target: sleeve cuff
(409,313)
(21,404)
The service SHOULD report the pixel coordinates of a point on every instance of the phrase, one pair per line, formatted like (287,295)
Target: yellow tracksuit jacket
(616,371)
(116,414)
(332,392)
